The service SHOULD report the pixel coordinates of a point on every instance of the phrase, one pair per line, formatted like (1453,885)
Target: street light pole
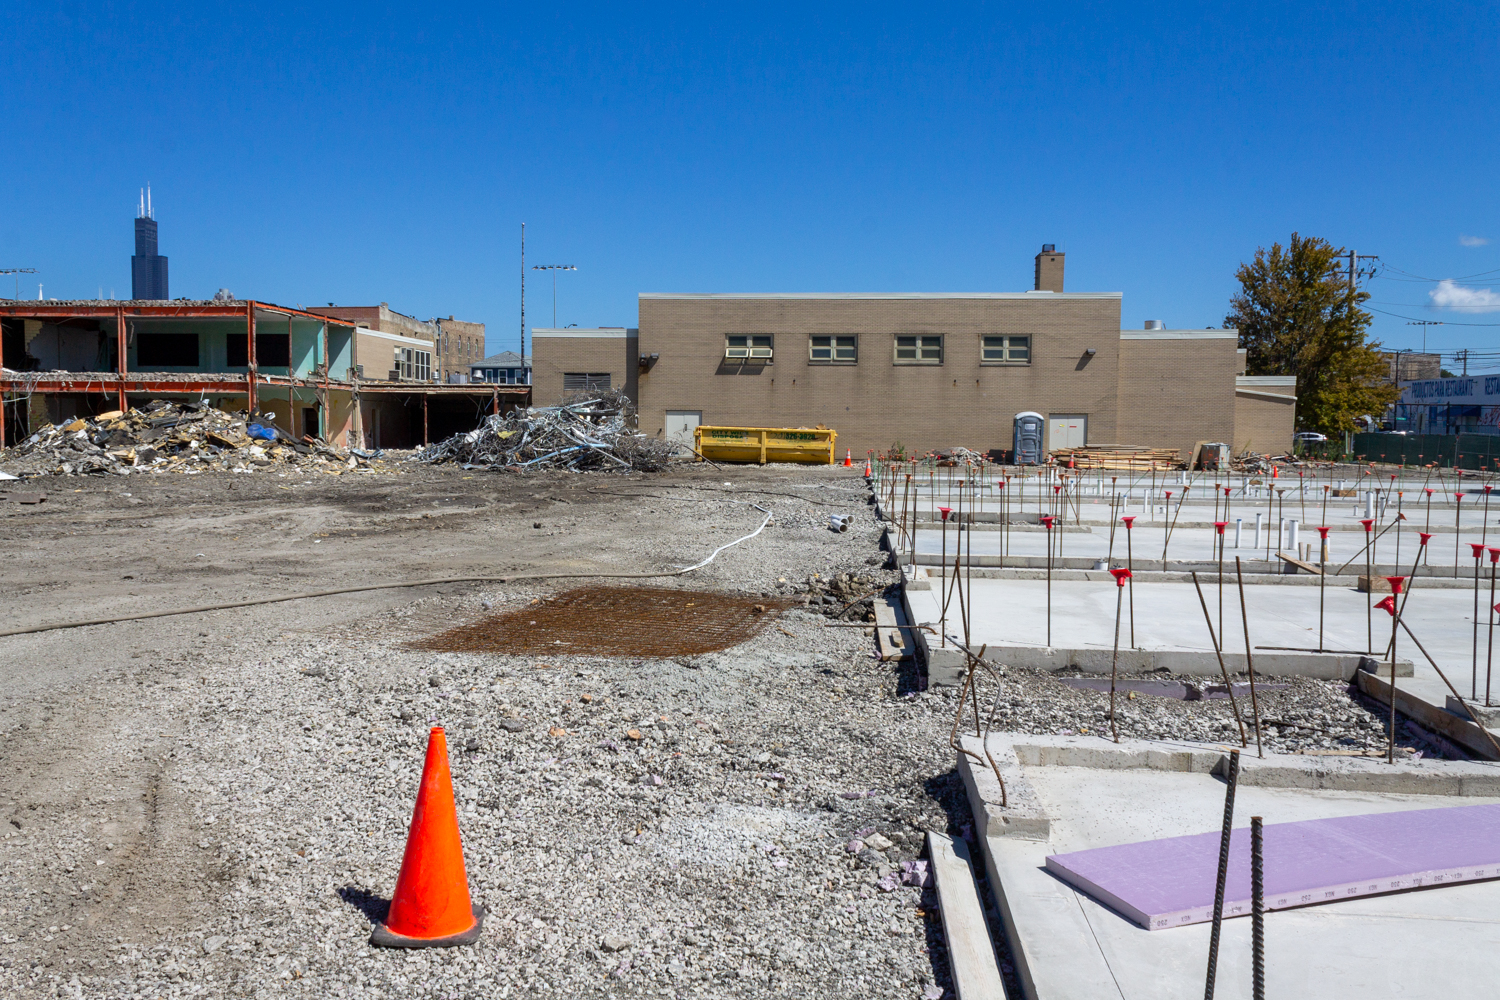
(554,268)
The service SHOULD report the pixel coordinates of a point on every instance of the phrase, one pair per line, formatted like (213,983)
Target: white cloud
(1473,241)
(1449,295)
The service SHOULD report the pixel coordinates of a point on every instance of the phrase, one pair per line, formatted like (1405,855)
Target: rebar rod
(1213,938)
(1257,911)
(1249,659)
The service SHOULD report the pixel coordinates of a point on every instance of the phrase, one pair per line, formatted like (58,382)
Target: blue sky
(371,152)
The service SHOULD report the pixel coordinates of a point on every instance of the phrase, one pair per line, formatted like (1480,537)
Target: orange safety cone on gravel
(848,457)
(431,907)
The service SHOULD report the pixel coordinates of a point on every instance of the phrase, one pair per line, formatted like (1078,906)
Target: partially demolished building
(60,360)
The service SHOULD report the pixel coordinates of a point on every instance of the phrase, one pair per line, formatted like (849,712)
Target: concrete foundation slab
(1075,793)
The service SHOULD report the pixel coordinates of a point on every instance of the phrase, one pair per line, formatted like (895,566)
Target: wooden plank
(971,953)
(1293,560)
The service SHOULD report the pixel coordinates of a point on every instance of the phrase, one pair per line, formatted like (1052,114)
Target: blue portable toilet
(1027,443)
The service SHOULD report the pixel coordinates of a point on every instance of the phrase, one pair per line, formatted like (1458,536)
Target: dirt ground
(215,804)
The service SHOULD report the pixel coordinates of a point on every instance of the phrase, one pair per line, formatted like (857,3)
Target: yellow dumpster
(813,445)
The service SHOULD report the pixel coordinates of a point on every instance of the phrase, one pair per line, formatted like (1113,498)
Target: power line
(1446,322)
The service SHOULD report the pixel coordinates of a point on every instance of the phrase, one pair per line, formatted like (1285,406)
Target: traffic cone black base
(383,937)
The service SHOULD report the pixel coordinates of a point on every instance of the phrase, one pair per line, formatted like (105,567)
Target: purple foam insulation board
(1171,882)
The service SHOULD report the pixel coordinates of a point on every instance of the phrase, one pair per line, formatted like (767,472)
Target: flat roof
(882,295)
(1179,334)
(594,332)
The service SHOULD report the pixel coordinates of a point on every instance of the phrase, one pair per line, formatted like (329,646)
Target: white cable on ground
(396,586)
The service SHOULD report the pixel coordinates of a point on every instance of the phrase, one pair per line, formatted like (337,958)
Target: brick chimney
(1049,269)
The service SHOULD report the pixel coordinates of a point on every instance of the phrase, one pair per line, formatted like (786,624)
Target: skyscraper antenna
(140,212)
(148,202)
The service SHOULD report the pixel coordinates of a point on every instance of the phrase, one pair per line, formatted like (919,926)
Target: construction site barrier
(809,445)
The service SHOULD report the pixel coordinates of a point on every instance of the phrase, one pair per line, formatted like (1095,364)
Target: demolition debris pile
(585,434)
(171,437)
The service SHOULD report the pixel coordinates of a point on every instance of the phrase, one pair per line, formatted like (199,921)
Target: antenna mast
(523,299)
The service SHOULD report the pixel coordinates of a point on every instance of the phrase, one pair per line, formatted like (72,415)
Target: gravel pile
(166,436)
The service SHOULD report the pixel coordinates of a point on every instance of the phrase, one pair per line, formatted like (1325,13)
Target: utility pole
(1354,260)
(1463,357)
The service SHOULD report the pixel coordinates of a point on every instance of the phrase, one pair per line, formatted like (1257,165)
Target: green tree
(1296,315)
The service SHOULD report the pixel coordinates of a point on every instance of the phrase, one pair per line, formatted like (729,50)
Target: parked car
(1309,437)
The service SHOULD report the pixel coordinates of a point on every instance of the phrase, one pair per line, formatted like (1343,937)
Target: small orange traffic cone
(848,458)
(867,468)
(431,907)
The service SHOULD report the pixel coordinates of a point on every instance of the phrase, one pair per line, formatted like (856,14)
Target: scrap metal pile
(591,432)
(171,437)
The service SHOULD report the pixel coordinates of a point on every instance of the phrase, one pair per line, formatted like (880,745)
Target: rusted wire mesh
(615,621)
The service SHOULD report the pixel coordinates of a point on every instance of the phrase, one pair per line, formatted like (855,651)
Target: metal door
(1067,430)
(680,426)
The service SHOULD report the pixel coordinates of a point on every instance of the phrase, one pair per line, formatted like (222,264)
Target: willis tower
(148,269)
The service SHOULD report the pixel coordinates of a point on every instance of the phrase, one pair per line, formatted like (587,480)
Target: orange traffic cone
(848,458)
(867,468)
(431,907)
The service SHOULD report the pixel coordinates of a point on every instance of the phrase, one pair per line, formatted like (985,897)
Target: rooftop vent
(1154,324)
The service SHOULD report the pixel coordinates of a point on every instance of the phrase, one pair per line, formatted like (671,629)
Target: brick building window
(831,350)
(920,350)
(748,346)
(410,363)
(1007,350)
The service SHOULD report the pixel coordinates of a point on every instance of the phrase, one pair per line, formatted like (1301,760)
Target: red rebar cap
(1228,491)
(1120,575)
(1219,526)
(1422,537)
(1047,522)
(1169,494)
(1000,483)
(1457,497)
(1429,492)
(1494,555)
(1488,487)
(1323,532)
(1057,489)
(1129,519)
(945,512)
(1497,608)
(1388,605)
(1478,548)
(1367,522)
(1396,583)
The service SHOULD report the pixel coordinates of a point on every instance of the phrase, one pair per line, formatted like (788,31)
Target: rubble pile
(167,436)
(591,432)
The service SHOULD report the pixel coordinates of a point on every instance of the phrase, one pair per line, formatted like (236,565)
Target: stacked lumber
(1119,458)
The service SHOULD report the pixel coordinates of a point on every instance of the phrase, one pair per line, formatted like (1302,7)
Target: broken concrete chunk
(878,842)
(615,942)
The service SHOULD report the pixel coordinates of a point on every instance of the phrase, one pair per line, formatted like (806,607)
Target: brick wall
(875,402)
(555,353)
(1263,423)
(1177,388)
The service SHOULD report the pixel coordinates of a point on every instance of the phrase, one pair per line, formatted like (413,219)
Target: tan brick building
(432,350)
(926,371)
(573,359)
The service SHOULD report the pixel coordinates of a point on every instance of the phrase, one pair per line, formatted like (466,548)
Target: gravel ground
(217,805)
